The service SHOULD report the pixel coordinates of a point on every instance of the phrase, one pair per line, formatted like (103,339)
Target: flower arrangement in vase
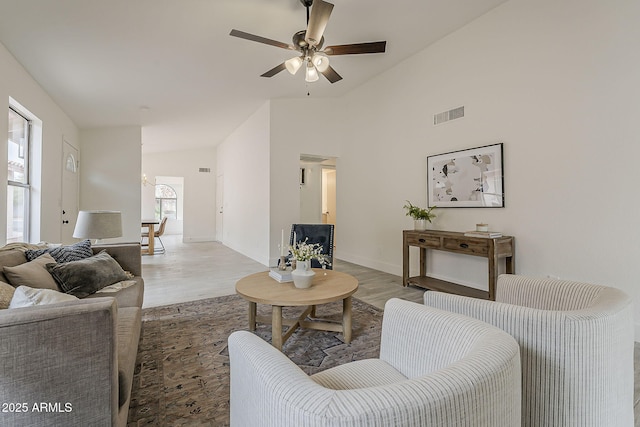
(420,215)
(303,253)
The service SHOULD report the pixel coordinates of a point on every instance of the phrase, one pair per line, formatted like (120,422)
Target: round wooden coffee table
(327,286)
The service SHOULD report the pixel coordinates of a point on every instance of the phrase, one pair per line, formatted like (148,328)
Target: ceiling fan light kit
(311,74)
(309,43)
(293,64)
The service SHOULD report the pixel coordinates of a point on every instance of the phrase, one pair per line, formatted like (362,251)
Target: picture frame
(471,178)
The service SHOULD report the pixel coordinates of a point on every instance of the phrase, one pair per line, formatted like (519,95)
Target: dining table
(150,225)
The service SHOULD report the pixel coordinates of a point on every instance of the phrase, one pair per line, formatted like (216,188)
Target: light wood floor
(192,271)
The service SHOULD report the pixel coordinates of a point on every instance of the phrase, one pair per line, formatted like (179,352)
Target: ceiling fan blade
(331,75)
(275,70)
(254,38)
(357,48)
(320,13)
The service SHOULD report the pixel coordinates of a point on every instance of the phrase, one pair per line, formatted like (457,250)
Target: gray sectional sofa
(71,363)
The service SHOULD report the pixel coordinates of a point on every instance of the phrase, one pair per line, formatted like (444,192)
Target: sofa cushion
(131,296)
(359,374)
(25,296)
(85,277)
(33,274)
(6,293)
(10,258)
(75,252)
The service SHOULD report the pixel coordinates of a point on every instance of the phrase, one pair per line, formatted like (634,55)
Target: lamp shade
(321,62)
(98,225)
(292,65)
(312,73)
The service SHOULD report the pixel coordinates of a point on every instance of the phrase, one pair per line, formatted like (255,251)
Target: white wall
(243,160)
(110,171)
(556,82)
(15,82)
(198,216)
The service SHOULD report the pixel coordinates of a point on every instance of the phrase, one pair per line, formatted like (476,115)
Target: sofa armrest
(59,364)
(128,255)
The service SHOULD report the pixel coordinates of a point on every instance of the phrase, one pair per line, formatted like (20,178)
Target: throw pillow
(33,274)
(6,293)
(25,296)
(85,277)
(75,252)
(116,287)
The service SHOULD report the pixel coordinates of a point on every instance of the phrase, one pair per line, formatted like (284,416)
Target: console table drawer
(467,246)
(423,241)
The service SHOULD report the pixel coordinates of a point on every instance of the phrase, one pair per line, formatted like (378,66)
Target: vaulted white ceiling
(171,66)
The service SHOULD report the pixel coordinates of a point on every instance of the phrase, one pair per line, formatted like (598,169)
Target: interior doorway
(317,189)
(164,197)
(329,195)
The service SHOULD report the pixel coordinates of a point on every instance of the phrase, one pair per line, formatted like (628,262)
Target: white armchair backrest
(546,294)
(417,340)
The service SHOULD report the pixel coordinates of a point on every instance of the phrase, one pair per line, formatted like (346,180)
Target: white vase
(303,274)
(420,224)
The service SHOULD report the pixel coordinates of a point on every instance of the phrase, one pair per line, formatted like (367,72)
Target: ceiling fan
(309,43)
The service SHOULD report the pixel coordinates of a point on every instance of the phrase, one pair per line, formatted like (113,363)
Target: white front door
(219,206)
(69,192)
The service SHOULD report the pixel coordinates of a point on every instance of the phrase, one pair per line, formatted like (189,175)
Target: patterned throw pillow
(75,252)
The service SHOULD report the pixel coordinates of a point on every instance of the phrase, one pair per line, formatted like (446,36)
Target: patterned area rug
(182,370)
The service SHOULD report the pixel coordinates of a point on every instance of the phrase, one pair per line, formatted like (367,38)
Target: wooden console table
(451,241)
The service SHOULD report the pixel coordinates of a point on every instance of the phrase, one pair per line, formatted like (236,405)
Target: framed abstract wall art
(471,178)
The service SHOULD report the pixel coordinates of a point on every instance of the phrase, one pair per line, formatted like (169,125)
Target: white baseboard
(194,239)
(366,262)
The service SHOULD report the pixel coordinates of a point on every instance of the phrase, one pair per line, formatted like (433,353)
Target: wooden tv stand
(456,242)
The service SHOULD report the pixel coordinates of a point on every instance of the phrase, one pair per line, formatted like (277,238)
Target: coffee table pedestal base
(277,321)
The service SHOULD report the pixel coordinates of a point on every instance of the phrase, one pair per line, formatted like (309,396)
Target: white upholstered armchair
(435,369)
(576,344)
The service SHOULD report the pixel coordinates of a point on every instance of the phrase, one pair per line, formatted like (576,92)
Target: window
(166,202)
(18,178)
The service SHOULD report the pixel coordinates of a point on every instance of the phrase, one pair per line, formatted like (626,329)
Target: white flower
(303,251)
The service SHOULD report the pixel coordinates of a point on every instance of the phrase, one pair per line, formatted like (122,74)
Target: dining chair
(156,235)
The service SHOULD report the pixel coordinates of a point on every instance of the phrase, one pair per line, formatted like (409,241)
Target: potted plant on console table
(420,215)
(303,253)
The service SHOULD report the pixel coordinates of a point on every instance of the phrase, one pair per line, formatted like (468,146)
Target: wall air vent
(456,113)
(206,170)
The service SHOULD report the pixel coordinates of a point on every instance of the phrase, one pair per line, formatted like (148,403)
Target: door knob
(65,222)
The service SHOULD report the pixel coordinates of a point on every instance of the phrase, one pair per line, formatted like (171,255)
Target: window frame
(27,173)
(159,202)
